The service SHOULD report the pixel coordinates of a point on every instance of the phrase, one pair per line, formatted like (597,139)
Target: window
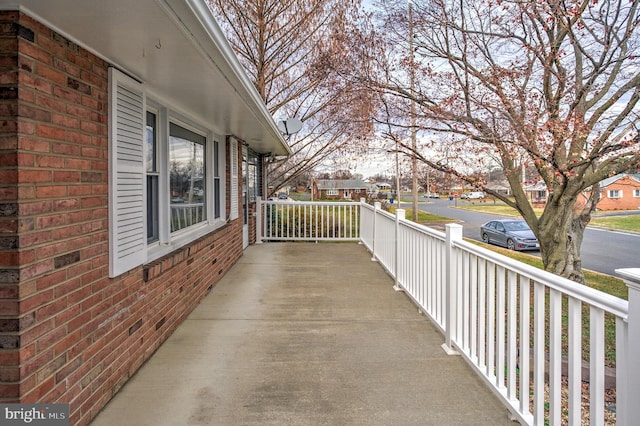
(615,193)
(636,193)
(186,177)
(166,173)
(152,178)
(332,192)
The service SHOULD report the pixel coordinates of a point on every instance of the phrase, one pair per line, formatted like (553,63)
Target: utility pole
(414,160)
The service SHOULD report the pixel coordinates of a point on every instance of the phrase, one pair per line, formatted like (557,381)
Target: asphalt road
(601,251)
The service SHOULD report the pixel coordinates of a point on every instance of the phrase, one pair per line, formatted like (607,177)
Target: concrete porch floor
(305,334)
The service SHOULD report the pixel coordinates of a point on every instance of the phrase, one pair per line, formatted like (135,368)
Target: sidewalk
(304,334)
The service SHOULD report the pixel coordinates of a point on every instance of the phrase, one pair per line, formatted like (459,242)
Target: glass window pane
(187,177)
(152,142)
(152,179)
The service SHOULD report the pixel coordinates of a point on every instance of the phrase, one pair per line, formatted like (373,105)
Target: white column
(453,233)
(628,396)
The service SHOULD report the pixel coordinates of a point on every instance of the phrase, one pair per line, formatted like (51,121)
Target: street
(602,250)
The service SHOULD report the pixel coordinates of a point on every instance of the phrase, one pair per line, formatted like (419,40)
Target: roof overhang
(174,47)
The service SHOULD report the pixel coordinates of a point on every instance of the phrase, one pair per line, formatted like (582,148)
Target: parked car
(472,195)
(282,196)
(431,195)
(513,234)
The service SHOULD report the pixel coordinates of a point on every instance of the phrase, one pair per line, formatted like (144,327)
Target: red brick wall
(628,202)
(68,333)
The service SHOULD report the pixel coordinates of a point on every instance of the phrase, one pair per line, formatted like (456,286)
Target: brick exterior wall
(626,185)
(68,333)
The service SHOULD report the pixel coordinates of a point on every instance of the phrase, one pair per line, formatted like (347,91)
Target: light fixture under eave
(290,126)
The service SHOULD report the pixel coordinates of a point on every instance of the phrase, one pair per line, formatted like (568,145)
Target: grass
(623,223)
(423,217)
(494,208)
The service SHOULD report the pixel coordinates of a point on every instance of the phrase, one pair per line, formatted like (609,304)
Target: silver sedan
(513,234)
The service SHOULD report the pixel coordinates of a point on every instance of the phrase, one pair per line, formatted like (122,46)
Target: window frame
(214,144)
(636,193)
(614,193)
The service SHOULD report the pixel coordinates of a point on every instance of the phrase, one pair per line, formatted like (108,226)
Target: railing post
(453,233)
(376,209)
(628,409)
(258,220)
(400,215)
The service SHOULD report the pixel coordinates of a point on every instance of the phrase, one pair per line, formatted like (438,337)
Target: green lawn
(423,216)
(493,208)
(623,223)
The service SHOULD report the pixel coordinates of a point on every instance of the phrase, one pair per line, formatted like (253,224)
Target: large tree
(548,84)
(290,49)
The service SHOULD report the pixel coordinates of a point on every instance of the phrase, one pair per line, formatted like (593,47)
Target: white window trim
(636,193)
(332,192)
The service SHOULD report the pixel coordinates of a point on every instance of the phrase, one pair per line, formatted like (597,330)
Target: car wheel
(510,244)
(485,237)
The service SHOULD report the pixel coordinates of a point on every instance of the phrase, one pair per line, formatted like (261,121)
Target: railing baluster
(574,352)
(538,352)
(473,308)
(482,314)
(491,320)
(596,374)
(555,356)
(523,361)
(464,298)
(500,327)
(512,334)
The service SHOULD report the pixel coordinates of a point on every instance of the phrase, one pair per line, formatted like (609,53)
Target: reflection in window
(186,177)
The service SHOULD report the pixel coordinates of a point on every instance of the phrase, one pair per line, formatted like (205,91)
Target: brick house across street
(338,189)
(620,192)
(131,151)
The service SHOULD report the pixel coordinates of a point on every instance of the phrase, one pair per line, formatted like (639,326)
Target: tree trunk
(561,230)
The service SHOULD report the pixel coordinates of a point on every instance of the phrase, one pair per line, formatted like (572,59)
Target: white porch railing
(514,324)
(294,221)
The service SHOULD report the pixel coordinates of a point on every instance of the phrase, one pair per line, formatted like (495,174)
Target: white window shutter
(233,169)
(127,188)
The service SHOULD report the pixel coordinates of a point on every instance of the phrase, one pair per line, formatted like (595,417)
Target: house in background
(537,192)
(383,186)
(620,192)
(501,187)
(131,156)
(337,189)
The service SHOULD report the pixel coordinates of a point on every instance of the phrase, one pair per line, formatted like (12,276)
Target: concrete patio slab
(305,334)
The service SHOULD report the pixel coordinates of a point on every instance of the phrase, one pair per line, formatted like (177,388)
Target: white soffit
(177,50)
